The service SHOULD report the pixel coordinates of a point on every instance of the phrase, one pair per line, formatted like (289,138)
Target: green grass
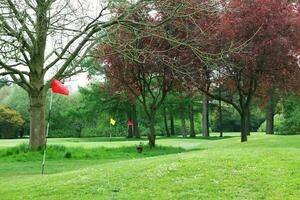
(266,167)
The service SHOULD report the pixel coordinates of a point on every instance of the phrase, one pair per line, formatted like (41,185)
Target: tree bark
(172,123)
(136,129)
(220,112)
(205,116)
(183,124)
(243,126)
(37,119)
(248,125)
(220,119)
(130,132)
(166,122)
(270,116)
(129,118)
(151,135)
(192,122)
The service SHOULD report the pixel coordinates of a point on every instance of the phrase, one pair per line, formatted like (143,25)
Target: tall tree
(183,121)
(205,115)
(43,40)
(268,43)
(132,64)
(192,121)
(166,121)
(172,126)
(270,112)
(139,58)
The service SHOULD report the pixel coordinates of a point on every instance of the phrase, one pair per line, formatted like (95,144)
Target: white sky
(81,80)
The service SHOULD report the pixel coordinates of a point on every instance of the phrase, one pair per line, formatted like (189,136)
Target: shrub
(278,124)
(11,123)
(67,154)
(140,148)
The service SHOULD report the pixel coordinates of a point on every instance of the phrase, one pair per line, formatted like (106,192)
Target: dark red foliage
(273,30)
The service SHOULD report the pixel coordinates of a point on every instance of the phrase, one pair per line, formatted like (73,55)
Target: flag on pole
(59,88)
(130,123)
(112,121)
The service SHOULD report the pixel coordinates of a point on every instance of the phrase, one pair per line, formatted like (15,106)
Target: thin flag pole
(47,132)
(110,131)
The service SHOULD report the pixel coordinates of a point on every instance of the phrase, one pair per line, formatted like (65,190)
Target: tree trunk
(244,126)
(220,119)
(172,123)
(151,134)
(136,130)
(270,116)
(192,122)
(183,124)
(129,118)
(205,117)
(22,131)
(37,120)
(248,125)
(166,122)
(130,132)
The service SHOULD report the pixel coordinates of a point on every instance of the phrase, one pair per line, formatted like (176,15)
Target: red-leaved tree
(258,42)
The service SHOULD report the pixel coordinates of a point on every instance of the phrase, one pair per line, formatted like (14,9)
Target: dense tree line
(162,61)
(87,112)
(222,49)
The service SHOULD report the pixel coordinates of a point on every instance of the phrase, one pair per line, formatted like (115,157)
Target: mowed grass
(266,167)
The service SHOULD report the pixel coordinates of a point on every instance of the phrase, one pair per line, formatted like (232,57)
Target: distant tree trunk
(22,130)
(243,126)
(166,121)
(248,122)
(151,134)
(205,116)
(183,124)
(192,122)
(130,132)
(270,113)
(136,130)
(37,119)
(78,128)
(129,118)
(220,118)
(172,123)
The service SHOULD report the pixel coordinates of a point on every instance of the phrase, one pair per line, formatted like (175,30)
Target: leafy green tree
(17,99)
(44,40)
(291,115)
(11,122)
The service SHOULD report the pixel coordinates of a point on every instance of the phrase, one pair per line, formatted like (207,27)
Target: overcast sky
(81,79)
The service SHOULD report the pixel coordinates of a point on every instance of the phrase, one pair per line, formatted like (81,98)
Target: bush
(11,123)
(278,124)
(67,155)
(140,148)
(291,114)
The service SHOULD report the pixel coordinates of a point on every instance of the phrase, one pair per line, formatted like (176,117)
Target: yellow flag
(112,121)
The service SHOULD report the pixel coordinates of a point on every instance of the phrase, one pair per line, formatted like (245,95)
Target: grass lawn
(266,167)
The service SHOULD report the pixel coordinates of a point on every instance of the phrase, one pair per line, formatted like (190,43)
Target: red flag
(130,123)
(58,87)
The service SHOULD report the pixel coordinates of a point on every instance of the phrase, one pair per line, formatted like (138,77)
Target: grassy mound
(60,152)
(266,167)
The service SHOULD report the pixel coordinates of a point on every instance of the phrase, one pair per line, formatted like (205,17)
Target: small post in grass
(112,123)
(47,132)
(59,88)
